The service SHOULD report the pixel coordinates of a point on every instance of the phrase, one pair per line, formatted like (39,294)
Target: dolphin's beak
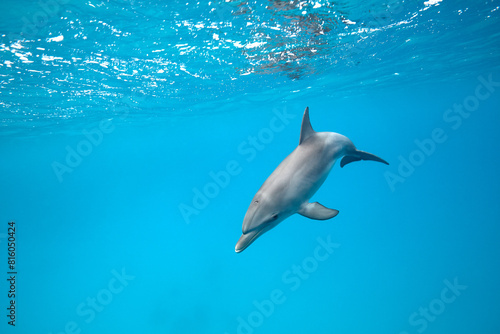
(249,218)
(246,240)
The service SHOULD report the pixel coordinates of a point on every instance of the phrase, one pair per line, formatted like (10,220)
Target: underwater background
(134,134)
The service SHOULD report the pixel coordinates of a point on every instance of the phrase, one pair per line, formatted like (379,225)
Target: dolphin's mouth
(247,226)
(247,239)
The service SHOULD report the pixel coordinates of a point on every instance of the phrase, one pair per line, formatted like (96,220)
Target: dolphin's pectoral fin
(360,155)
(317,211)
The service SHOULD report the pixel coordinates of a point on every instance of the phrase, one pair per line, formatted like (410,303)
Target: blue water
(134,134)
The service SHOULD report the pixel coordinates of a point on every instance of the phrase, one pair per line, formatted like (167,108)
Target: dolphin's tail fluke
(360,155)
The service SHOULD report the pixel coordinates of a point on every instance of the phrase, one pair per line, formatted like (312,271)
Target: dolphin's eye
(256,202)
(274,216)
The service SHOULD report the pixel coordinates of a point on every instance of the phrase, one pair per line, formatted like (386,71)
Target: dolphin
(297,178)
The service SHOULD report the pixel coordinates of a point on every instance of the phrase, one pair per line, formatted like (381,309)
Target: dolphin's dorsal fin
(306,131)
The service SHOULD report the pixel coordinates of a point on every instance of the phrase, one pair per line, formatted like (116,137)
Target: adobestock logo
(32,24)
(293,278)
(455,117)
(380,18)
(248,150)
(74,156)
(436,307)
(94,305)
(93,138)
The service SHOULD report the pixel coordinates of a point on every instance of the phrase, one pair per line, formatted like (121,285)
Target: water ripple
(80,59)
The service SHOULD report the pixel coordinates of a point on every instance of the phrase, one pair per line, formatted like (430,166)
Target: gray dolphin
(288,189)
